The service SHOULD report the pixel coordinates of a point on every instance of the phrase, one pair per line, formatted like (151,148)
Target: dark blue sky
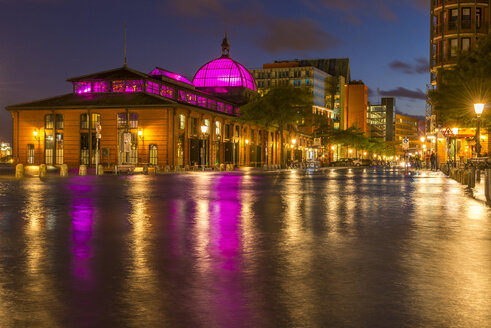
(44,42)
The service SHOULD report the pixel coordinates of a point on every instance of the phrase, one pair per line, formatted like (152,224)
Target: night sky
(44,42)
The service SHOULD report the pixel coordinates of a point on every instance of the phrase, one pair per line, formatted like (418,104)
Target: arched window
(153,155)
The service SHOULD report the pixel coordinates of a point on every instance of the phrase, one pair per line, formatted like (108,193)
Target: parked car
(342,162)
(313,164)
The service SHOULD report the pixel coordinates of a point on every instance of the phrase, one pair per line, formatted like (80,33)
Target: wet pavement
(333,248)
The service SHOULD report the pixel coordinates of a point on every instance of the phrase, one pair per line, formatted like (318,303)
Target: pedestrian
(433,161)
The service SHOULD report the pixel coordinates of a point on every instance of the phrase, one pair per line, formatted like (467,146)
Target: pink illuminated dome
(223,74)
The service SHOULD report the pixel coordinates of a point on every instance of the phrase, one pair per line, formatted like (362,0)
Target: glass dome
(224,72)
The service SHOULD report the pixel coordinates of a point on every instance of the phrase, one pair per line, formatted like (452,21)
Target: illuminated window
(217,128)
(95,118)
(454,17)
(30,154)
(152,88)
(152,154)
(122,120)
(133,120)
(60,124)
(182,121)
(83,87)
(466,18)
(101,86)
(84,121)
(48,121)
(167,92)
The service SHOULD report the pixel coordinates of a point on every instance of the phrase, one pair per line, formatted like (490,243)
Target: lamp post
(478,108)
(204,130)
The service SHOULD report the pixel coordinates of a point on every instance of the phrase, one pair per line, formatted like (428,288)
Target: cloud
(353,10)
(421,66)
(401,92)
(296,34)
(275,34)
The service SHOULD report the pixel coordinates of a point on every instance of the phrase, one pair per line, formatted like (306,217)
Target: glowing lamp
(204,129)
(35,134)
(140,134)
(291,146)
(478,108)
(422,139)
(247,141)
(455,131)
(294,141)
(350,151)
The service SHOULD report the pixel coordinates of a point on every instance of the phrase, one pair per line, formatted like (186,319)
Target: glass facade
(224,72)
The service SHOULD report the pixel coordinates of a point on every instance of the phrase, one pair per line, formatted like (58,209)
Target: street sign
(98,127)
(317,141)
(405,143)
(448,132)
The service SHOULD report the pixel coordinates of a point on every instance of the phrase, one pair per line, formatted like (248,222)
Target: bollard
(472,177)
(82,171)
(145,169)
(63,170)
(99,170)
(43,171)
(19,171)
(487,186)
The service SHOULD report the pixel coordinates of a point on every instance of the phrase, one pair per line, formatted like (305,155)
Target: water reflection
(359,248)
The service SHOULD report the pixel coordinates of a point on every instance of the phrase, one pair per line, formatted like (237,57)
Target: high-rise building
(456,25)
(355,113)
(381,119)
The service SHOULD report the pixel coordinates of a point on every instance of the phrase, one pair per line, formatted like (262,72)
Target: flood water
(335,248)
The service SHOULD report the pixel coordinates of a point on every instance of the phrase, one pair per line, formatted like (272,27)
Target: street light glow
(478,108)
(247,141)
(294,141)
(423,139)
(204,129)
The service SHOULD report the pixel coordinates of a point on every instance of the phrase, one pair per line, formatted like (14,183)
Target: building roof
(122,73)
(96,100)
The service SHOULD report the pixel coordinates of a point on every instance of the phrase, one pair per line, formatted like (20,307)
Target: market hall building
(160,118)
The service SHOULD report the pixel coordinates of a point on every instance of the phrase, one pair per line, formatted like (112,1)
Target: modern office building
(456,25)
(355,112)
(381,119)
(406,127)
(160,118)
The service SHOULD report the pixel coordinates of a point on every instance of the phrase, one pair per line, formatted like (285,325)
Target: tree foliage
(282,107)
(468,82)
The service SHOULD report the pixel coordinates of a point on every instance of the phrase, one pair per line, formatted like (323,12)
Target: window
(167,92)
(152,88)
(182,122)
(194,126)
(84,148)
(133,120)
(101,86)
(466,44)
(59,121)
(122,120)
(84,122)
(228,131)
(30,154)
(95,118)
(59,148)
(48,148)
(454,16)
(308,82)
(128,86)
(83,87)
(297,83)
(478,18)
(454,45)
(152,155)
(48,121)
(217,128)
(466,18)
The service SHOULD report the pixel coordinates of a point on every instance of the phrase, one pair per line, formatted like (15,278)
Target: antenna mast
(124,65)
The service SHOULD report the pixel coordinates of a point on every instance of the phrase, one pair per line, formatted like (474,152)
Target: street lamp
(204,131)
(478,108)
(35,134)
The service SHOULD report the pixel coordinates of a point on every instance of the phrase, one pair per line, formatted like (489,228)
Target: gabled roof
(122,73)
(96,100)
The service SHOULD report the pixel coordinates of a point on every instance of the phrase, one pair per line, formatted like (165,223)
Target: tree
(468,82)
(282,107)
